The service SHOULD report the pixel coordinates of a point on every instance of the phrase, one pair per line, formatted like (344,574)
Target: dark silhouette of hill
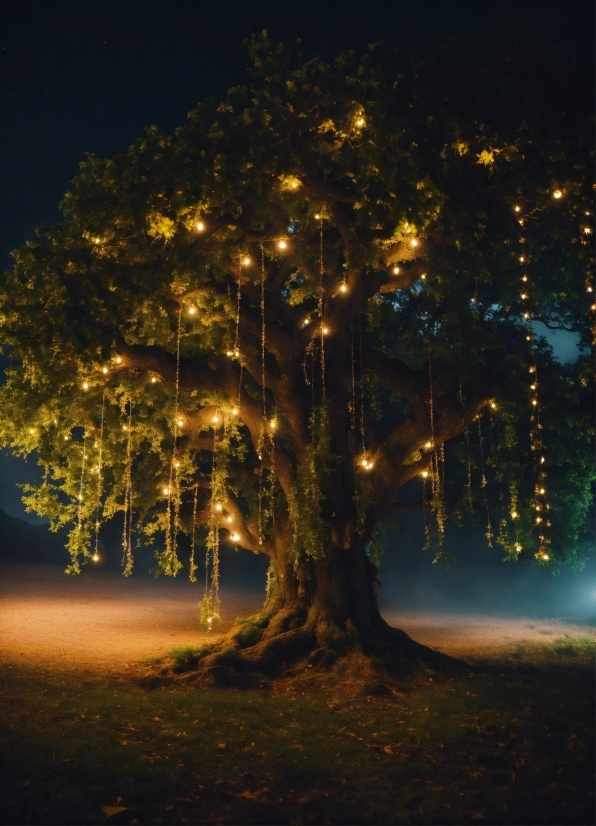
(21,541)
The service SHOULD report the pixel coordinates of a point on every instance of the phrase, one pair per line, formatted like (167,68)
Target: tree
(288,321)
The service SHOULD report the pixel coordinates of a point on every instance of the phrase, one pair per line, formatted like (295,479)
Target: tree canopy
(314,306)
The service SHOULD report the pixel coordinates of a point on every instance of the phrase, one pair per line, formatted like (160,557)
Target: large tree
(312,307)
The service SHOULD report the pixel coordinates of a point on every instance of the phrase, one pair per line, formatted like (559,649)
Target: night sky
(82,77)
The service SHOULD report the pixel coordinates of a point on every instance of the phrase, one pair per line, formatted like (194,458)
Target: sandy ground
(102,623)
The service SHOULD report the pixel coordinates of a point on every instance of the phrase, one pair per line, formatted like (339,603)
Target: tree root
(264,648)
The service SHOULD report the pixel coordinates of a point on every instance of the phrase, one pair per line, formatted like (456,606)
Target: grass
(511,742)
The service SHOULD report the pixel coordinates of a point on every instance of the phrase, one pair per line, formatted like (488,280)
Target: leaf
(110,811)
(387,749)
(222,746)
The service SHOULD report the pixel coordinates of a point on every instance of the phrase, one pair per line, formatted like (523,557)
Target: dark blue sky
(83,77)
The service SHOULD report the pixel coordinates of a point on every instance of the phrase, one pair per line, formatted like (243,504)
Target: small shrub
(187,658)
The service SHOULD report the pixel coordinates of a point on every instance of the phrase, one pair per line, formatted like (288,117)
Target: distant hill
(21,541)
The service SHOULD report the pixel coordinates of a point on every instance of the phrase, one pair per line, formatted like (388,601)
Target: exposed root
(284,650)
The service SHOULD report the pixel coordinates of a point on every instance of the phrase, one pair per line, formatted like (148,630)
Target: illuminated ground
(103,623)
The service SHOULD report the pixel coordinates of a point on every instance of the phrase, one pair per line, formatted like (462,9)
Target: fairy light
(118,360)
(172,507)
(246,261)
(414,242)
(396,271)
(517,208)
(153,380)
(215,419)
(98,503)
(235,411)
(557,194)
(95,557)
(235,537)
(218,507)
(343,287)
(423,276)
(85,386)
(81,484)
(192,310)
(166,491)
(282,245)
(200,226)
(128,512)
(180,422)
(536,444)
(104,370)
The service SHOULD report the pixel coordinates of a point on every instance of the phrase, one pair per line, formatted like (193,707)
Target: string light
(343,287)
(396,271)
(128,512)
(192,310)
(200,226)
(85,386)
(557,194)
(423,276)
(414,242)
(235,411)
(235,537)
(282,245)
(104,369)
(153,379)
(118,360)
(517,208)
(99,476)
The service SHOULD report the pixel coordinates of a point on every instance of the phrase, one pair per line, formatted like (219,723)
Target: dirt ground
(99,623)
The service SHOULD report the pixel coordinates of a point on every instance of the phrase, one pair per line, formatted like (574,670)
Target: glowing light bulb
(124,427)
(246,261)
(229,353)
(234,411)
(209,620)
(85,386)
(522,258)
(305,322)
(325,330)
(180,422)
(425,474)
(118,360)
(542,460)
(215,419)
(200,226)
(593,308)
(518,547)
(517,208)
(218,507)
(532,369)
(588,230)
(538,519)
(235,537)
(359,122)
(493,405)
(546,557)
(542,491)
(282,245)
(343,287)
(557,194)
(32,430)
(428,445)
(414,242)
(104,369)
(273,424)
(294,184)
(236,353)
(192,310)
(166,491)
(396,271)
(526,315)
(317,216)
(423,276)
(524,295)
(514,514)
(589,289)
(524,278)
(95,557)
(532,387)
(534,402)
(153,379)
(229,519)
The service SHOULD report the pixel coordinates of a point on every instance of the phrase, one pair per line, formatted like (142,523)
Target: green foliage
(374,153)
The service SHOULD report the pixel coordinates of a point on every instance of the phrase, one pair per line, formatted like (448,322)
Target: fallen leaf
(387,749)
(110,811)
(222,746)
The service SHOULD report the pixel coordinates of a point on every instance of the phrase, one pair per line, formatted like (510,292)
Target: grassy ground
(510,741)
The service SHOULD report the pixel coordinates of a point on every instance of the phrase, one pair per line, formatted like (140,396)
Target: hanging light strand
(82,484)
(483,485)
(192,564)
(540,503)
(127,531)
(321,310)
(170,534)
(99,477)
(437,468)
